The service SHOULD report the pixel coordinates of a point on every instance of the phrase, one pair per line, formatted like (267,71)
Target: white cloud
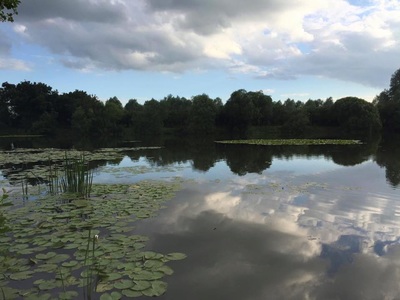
(13,64)
(267,39)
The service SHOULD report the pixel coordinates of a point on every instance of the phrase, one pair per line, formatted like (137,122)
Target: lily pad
(157,289)
(175,256)
(131,293)
(141,285)
(21,275)
(68,295)
(123,284)
(46,256)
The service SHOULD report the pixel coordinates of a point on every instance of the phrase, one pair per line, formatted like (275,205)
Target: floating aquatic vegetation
(34,164)
(88,245)
(292,142)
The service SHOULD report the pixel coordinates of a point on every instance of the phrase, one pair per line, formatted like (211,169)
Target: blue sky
(145,49)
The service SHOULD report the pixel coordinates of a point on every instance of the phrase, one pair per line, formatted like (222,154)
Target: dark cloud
(101,11)
(207,17)
(5,43)
(180,35)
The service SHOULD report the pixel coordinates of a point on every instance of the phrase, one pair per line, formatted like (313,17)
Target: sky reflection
(327,233)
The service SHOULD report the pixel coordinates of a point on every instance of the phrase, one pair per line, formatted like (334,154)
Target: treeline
(38,109)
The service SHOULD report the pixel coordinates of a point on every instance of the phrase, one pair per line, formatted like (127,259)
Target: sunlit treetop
(8,8)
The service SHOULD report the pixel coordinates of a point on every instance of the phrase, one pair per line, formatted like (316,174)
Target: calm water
(275,222)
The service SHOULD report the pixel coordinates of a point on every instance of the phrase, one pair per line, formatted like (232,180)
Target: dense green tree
(238,112)
(176,111)
(113,116)
(132,118)
(356,115)
(25,103)
(388,104)
(279,114)
(297,123)
(151,118)
(6,94)
(46,124)
(203,114)
(313,110)
(326,115)
(88,117)
(8,8)
(394,90)
(262,113)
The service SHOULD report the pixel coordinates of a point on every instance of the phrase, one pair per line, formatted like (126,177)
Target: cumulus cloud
(267,39)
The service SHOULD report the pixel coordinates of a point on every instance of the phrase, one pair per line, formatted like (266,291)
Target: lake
(270,222)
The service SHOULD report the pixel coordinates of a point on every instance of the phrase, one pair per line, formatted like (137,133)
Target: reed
(77,178)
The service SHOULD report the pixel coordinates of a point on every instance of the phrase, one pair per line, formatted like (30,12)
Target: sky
(144,49)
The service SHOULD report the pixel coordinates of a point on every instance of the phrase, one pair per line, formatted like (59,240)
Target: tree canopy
(39,109)
(388,104)
(8,8)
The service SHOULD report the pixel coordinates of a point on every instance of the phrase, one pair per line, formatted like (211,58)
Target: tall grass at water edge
(75,178)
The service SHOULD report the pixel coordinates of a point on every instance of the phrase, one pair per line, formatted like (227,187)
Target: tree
(176,111)
(356,115)
(394,90)
(238,112)
(151,118)
(113,116)
(262,114)
(202,115)
(297,123)
(6,93)
(388,104)
(27,102)
(88,116)
(8,8)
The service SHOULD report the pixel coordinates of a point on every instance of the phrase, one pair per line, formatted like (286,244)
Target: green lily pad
(141,285)
(21,275)
(47,268)
(58,258)
(46,256)
(131,293)
(37,297)
(112,296)
(48,285)
(70,264)
(123,284)
(166,270)
(157,289)
(175,256)
(150,264)
(68,295)
(104,287)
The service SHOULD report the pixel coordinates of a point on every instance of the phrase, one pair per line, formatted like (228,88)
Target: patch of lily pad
(84,245)
(291,142)
(39,164)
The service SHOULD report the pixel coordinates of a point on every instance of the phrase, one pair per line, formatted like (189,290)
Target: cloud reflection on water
(292,237)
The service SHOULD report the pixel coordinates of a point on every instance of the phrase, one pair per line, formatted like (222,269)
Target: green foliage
(388,104)
(176,111)
(356,115)
(238,112)
(8,8)
(202,115)
(35,108)
(296,123)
